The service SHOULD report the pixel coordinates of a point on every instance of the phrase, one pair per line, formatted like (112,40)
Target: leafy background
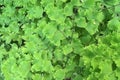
(59,40)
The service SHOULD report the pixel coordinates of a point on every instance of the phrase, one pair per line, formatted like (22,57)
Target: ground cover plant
(59,39)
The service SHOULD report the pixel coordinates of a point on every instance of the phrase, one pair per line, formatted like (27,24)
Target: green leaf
(18,3)
(105,67)
(75,2)
(92,27)
(13,27)
(91,77)
(47,2)
(9,11)
(68,9)
(59,74)
(85,39)
(58,36)
(67,33)
(47,66)
(24,68)
(33,1)
(117,61)
(50,29)
(70,66)
(111,77)
(114,24)
(59,39)
(111,2)
(117,73)
(67,49)
(7,67)
(78,77)
(58,54)
(117,9)
(63,0)
(77,46)
(37,77)
(35,12)
(81,22)
(100,17)
(89,3)
(53,13)
(36,66)
(75,35)
(89,13)
(94,61)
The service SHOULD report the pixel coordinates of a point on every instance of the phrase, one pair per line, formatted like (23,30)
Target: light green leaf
(105,67)
(50,29)
(68,10)
(47,2)
(89,3)
(77,46)
(111,77)
(58,36)
(81,22)
(35,12)
(117,72)
(58,54)
(24,68)
(37,77)
(111,2)
(67,49)
(114,24)
(75,2)
(47,66)
(117,9)
(9,11)
(92,27)
(59,74)
(63,0)
(100,17)
(117,61)
(36,66)
(54,13)
(91,77)
(94,61)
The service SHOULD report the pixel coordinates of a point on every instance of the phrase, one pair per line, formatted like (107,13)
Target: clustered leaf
(59,40)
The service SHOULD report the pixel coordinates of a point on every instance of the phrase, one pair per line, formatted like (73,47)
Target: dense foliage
(59,39)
